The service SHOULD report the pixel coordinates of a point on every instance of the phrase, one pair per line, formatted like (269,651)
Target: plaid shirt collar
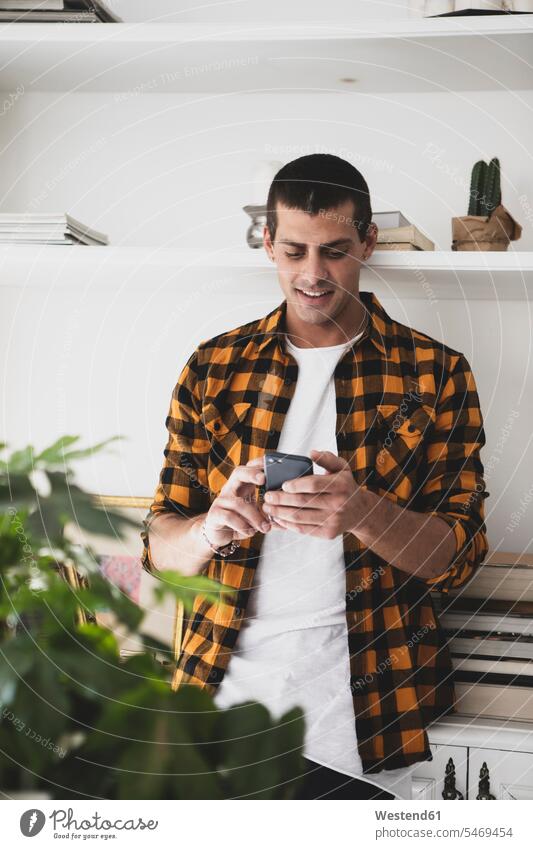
(379,328)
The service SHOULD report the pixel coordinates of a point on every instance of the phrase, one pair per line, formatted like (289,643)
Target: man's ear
(267,242)
(370,239)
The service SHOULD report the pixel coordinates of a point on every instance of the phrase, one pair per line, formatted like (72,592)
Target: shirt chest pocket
(225,430)
(402,435)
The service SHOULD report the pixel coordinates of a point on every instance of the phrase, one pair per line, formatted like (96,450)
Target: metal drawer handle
(450,791)
(484,783)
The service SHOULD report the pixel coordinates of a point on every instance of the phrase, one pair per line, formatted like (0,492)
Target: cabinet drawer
(428,777)
(510,773)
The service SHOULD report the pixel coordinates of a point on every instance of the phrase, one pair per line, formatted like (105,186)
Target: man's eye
(329,254)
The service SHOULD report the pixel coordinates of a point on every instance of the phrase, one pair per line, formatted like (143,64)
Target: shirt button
(288,381)
(411,428)
(217,425)
(271,432)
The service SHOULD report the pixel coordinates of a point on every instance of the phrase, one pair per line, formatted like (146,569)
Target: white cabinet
(510,773)
(504,746)
(428,778)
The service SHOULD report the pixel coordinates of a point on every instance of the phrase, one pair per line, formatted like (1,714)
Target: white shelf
(505,276)
(429,54)
(460,730)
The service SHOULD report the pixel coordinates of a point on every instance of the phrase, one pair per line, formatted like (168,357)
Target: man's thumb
(328,460)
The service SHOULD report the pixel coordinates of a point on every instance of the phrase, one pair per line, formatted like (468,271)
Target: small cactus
(493,194)
(476,186)
(485,187)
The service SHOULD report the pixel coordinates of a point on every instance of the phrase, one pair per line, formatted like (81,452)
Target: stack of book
(396,233)
(61,11)
(30,228)
(489,626)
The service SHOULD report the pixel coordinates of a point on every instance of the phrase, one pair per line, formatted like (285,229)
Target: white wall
(176,170)
(157,170)
(100,364)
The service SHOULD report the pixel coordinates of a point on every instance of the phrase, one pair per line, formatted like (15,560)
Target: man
(333,572)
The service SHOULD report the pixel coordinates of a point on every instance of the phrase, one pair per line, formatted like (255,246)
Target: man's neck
(306,335)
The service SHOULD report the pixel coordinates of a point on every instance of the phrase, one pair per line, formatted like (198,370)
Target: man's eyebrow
(344,241)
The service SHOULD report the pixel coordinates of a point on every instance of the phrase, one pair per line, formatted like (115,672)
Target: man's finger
(310,483)
(257,461)
(293,499)
(329,461)
(239,520)
(298,515)
(243,474)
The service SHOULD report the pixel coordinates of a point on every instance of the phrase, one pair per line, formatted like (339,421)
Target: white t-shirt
(292,649)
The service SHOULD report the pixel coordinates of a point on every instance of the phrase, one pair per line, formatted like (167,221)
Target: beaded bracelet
(224,550)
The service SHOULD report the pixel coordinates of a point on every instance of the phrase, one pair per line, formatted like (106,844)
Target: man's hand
(323,505)
(235,514)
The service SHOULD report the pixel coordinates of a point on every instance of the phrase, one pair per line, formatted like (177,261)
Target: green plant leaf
(58,454)
(151,745)
(259,755)
(16,491)
(16,658)
(68,503)
(127,733)
(186,588)
(81,453)
(21,461)
(54,454)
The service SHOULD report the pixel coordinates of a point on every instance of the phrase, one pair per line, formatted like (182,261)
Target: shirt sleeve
(451,485)
(182,487)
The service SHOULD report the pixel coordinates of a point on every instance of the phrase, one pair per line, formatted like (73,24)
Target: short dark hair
(319,181)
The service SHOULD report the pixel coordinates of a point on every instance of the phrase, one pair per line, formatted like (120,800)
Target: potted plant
(77,720)
(489,226)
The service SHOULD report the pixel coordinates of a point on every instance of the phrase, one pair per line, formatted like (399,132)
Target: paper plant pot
(485,233)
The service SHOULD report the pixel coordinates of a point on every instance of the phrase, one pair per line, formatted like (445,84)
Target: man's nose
(314,269)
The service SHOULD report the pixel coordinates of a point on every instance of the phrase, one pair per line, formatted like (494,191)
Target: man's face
(317,254)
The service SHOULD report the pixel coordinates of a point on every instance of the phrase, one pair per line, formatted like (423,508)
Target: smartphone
(280,467)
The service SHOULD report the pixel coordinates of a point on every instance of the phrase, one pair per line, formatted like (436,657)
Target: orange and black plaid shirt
(410,426)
